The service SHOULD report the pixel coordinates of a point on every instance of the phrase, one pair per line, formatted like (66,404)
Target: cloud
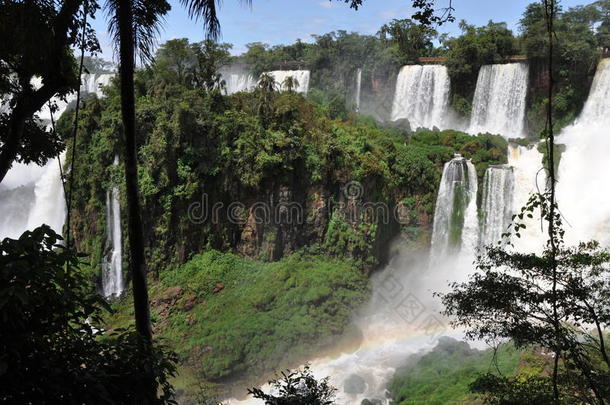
(328,4)
(319,20)
(388,14)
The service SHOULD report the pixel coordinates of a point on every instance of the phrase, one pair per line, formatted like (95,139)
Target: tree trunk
(137,262)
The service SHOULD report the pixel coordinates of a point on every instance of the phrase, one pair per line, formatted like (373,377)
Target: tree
(132,25)
(297,388)
(409,40)
(53,349)
(290,83)
(550,300)
(477,46)
(95,65)
(209,57)
(174,58)
(37,41)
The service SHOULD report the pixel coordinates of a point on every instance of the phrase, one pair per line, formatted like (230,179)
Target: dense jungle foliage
(249,195)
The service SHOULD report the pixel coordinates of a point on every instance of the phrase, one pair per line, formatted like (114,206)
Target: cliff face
(263,182)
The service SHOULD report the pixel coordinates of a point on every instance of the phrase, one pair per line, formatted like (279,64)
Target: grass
(443,376)
(227,316)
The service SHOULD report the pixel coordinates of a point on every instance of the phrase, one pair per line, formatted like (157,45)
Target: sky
(283,22)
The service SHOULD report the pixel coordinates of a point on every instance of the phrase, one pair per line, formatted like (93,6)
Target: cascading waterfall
(499,100)
(112,269)
(49,206)
(237,81)
(31,195)
(301,76)
(529,178)
(582,192)
(402,317)
(497,204)
(455,228)
(358,89)
(422,96)
(583,197)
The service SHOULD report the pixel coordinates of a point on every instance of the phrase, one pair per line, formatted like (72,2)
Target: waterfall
(90,84)
(529,178)
(236,82)
(496,206)
(31,195)
(301,76)
(455,228)
(499,100)
(358,89)
(112,269)
(582,190)
(402,317)
(49,205)
(422,96)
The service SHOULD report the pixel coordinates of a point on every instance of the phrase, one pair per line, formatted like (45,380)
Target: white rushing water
(238,81)
(499,100)
(529,178)
(583,190)
(391,326)
(496,205)
(112,270)
(301,76)
(31,195)
(402,318)
(358,93)
(455,228)
(422,96)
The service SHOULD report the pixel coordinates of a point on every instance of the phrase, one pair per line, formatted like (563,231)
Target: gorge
(473,207)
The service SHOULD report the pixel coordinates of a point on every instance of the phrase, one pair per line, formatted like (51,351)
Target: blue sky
(282,22)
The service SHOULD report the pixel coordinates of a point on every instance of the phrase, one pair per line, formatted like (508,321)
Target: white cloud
(328,4)
(388,14)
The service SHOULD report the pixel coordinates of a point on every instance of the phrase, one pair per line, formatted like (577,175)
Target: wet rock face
(354,384)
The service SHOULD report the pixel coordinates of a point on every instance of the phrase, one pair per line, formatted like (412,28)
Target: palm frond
(148,17)
(206,10)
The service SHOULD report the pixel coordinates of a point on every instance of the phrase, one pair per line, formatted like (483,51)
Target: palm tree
(267,83)
(134,25)
(290,83)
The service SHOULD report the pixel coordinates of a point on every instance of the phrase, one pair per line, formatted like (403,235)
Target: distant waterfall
(90,84)
(358,89)
(236,82)
(456,227)
(583,190)
(112,269)
(497,204)
(422,96)
(499,100)
(301,76)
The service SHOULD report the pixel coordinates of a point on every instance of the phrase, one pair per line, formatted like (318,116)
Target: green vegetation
(297,388)
(554,300)
(53,347)
(229,316)
(443,376)
(577,50)
(201,149)
(477,46)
